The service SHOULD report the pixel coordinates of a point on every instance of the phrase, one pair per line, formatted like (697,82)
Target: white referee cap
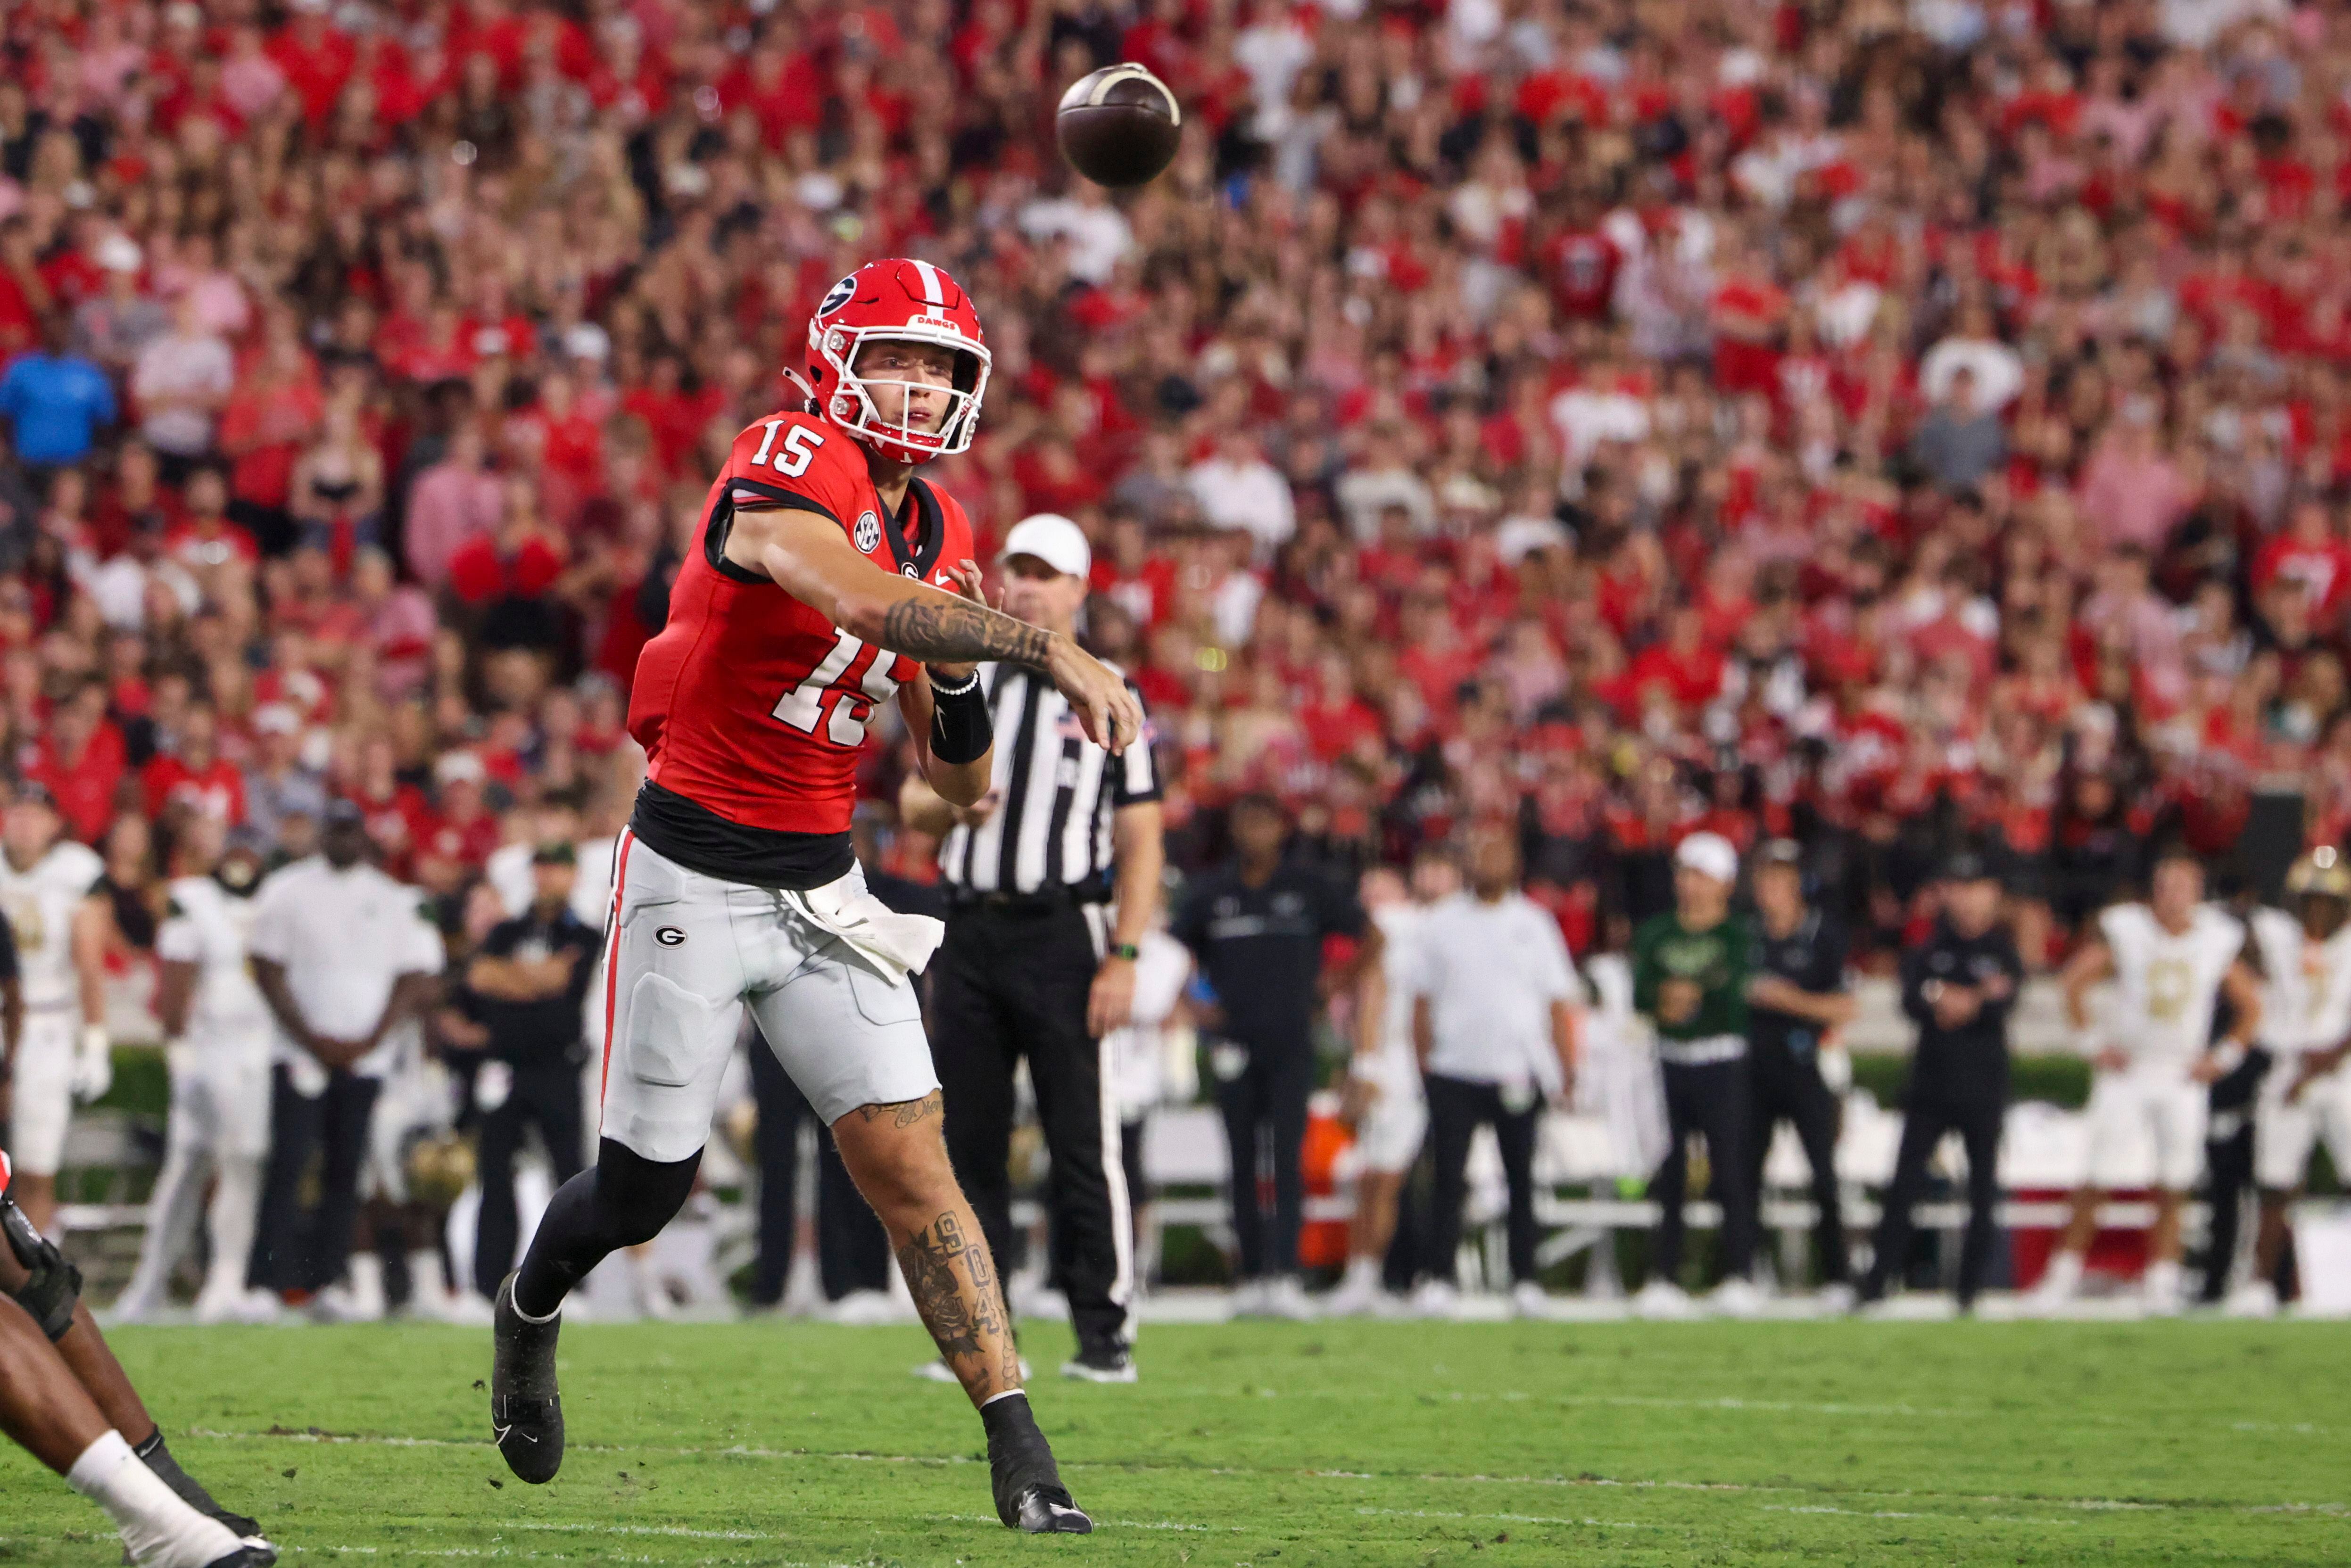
(1709,854)
(1053,540)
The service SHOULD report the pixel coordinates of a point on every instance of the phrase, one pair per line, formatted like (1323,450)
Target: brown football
(1118,126)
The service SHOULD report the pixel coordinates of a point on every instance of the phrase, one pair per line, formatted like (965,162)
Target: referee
(1035,964)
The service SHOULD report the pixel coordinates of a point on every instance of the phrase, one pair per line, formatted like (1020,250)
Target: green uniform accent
(1717,958)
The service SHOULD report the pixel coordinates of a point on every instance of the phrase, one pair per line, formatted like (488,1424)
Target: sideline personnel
(1958,988)
(345,959)
(532,975)
(1258,926)
(1034,964)
(1689,975)
(1795,1004)
(1495,1000)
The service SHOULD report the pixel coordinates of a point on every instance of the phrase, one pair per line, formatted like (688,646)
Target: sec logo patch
(868,533)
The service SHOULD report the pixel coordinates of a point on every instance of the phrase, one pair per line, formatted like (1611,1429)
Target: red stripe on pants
(612,962)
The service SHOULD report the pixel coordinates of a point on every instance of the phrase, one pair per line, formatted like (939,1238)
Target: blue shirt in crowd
(54,406)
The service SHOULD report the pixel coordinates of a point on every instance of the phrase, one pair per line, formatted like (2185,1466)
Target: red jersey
(749,704)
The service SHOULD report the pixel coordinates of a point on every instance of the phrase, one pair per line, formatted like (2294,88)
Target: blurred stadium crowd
(1880,426)
(1803,418)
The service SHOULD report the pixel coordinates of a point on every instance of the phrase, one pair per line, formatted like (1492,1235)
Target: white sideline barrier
(2044,1149)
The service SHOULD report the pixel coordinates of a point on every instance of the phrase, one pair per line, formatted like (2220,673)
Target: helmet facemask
(850,403)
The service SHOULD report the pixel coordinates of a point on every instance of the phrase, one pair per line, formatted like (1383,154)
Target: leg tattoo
(967,1319)
(904,1113)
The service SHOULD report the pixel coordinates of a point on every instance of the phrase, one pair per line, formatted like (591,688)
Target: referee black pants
(852,1248)
(1788,1088)
(1712,1099)
(1455,1107)
(1924,1121)
(1013,983)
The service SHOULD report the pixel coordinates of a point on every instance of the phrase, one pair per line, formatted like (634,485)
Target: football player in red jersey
(826,579)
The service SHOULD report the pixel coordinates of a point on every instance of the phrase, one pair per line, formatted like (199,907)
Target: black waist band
(1045,900)
(699,839)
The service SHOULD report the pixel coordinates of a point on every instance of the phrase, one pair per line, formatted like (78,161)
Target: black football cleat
(1050,1510)
(1101,1360)
(247,1556)
(1030,1496)
(526,1414)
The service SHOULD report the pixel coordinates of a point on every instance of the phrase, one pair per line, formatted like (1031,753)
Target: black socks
(157,1459)
(623,1200)
(1007,1417)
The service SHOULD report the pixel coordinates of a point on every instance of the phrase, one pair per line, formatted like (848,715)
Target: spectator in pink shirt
(250,81)
(2127,611)
(400,624)
(454,500)
(2131,491)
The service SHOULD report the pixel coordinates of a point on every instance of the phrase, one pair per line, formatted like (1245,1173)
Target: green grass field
(1831,1442)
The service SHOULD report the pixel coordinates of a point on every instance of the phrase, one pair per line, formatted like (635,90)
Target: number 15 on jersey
(803,707)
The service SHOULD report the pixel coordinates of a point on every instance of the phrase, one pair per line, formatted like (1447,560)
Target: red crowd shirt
(84,786)
(217,790)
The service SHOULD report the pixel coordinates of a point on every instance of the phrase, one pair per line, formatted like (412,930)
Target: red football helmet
(908,300)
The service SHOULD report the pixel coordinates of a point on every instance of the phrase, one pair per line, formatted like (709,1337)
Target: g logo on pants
(669,936)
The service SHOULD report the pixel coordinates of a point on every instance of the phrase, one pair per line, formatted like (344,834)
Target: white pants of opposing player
(219,1129)
(41,1102)
(1389,1140)
(2284,1134)
(2156,1101)
(686,953)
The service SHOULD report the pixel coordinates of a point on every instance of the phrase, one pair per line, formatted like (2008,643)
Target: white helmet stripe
(931,294)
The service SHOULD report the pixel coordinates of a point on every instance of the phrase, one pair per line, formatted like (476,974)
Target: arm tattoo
(961,1319)
(954,630)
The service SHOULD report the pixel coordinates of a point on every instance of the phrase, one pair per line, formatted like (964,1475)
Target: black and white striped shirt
(1055,794)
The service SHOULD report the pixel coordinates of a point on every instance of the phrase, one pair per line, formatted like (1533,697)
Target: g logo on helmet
(868,533)
(838,296)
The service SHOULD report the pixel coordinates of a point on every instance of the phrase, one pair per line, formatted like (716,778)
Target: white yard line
(1510,1518)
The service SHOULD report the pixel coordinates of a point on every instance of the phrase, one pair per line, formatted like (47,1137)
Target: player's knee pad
(52,1285)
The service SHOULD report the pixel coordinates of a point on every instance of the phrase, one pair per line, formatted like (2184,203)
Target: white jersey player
(1384,1096)
(2306,1028)
(2170,959)
(1619,1074)
(218,1033)
(1138,1058)
(61,1056)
